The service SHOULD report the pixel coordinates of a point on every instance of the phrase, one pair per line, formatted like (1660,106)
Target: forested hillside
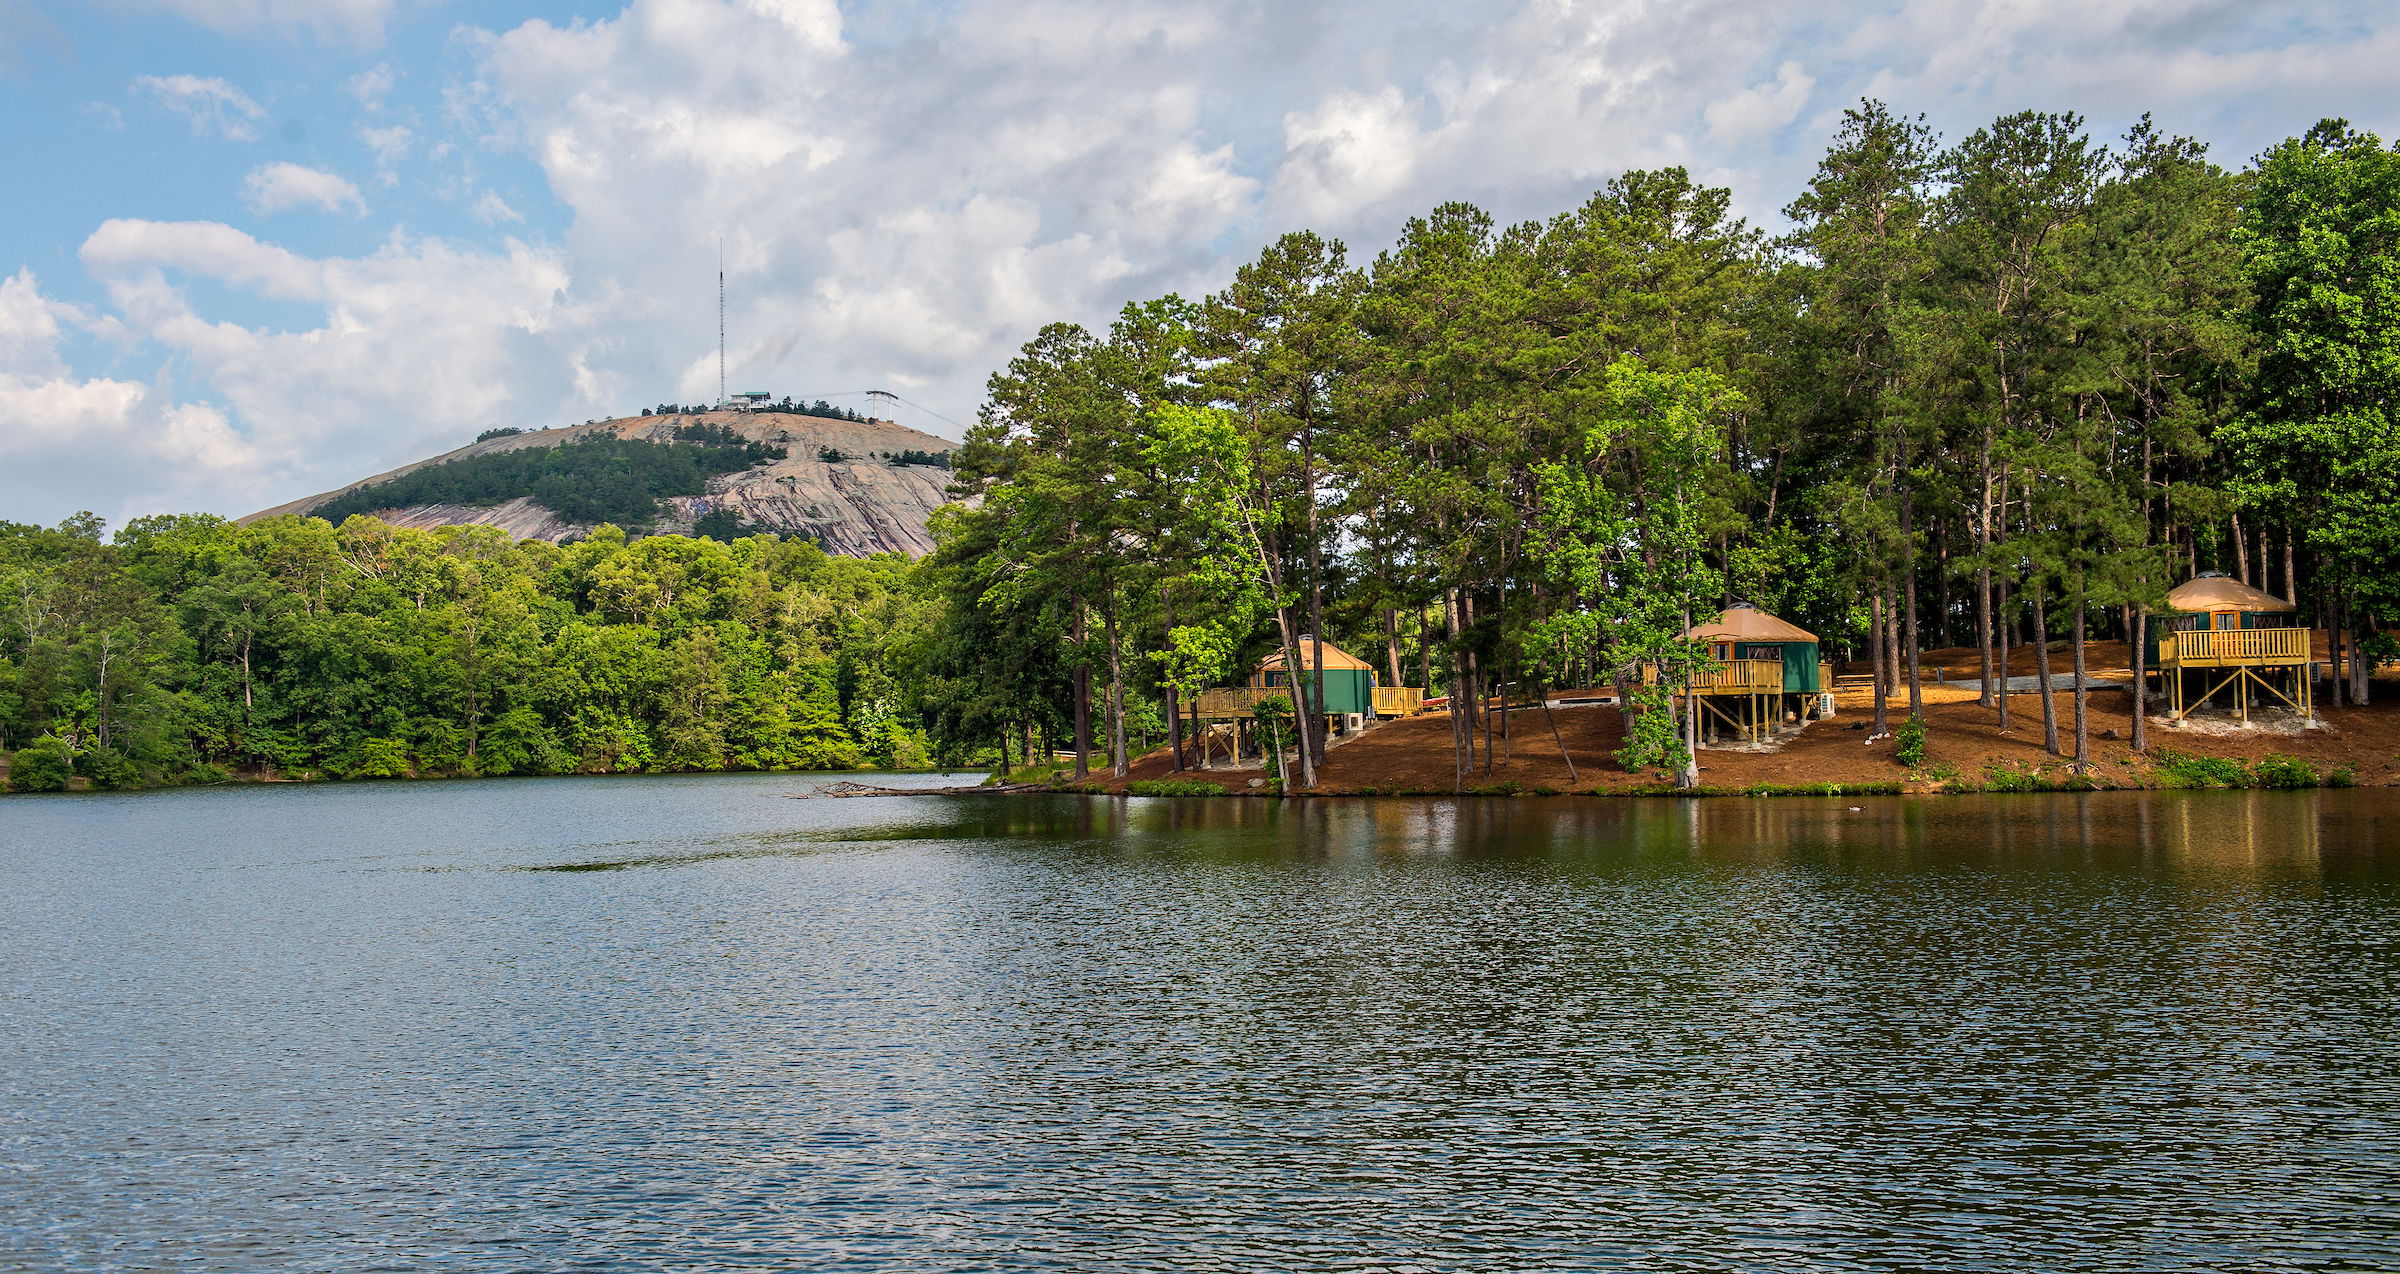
(189,648)
(1985,391)
(590,480)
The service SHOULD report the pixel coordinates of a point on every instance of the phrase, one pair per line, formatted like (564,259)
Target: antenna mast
(720,320)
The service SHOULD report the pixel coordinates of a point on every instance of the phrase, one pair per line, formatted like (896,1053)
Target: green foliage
(2320,441)
(2182,769)
(1908,742)
(43,765)
(191,648)
(724,526)
(378,759)
(107,768)
(500,431)
(2285,771)
(832,455)
(1173,787)
(589,480)
(910,455)
(2011,776)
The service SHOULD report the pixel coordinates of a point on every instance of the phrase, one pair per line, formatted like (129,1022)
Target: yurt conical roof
(1335,657)
(1748,623)
(2215,590)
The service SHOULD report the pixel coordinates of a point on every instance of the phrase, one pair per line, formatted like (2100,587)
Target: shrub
(2010,776)
(2182,769)
(380,759)
(2342,777)
(107,768)
(2286,771)
(1909,742)
(1173,787)
(41,766)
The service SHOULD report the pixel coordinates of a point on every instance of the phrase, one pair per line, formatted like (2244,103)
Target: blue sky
(263,247)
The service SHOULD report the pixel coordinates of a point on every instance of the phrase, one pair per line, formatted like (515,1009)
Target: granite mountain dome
(837,483)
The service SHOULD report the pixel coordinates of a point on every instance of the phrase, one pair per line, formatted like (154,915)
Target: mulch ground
(1963,741)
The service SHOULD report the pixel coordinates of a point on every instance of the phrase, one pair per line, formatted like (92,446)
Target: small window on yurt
(2225,620)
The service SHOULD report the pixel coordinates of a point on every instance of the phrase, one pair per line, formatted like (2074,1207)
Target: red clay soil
(1963,741)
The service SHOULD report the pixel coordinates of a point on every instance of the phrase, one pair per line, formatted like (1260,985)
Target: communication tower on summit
(721,322)
(885,402)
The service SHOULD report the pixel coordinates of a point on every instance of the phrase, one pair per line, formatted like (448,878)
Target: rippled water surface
(684,1024)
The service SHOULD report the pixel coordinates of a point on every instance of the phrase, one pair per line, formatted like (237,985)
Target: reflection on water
(686,1024)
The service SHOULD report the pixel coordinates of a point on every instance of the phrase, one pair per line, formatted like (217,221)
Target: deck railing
(1238,703)
(1740,677)
(2233,647)
(1398,701)
(1732,677)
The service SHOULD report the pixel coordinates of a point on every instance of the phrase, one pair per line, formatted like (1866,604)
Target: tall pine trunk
(2137,622)
(1875,636)
(1916,672)
(2000,642)
(2041,667)
(1117,760)
(1462,727)
(1083,696)
(2083,733)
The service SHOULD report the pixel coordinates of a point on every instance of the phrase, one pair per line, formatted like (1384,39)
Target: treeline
(588,480)
(189,648)
(785,406)
(2000,390)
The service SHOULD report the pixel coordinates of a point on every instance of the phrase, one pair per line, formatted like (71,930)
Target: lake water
(685,1024)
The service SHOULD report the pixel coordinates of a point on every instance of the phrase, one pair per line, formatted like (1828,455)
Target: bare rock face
(853,506)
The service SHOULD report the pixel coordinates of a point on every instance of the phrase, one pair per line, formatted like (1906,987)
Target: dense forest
(188,648)
(589,480)
(2000,390)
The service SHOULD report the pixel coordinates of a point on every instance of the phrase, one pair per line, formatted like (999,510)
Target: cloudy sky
(263,247)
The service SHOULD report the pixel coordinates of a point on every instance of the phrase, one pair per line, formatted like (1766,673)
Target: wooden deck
(1740,677)
(2235,648)
(2249,662)
(1239,703)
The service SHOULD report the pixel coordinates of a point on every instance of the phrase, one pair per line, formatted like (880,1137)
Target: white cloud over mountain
(903,194)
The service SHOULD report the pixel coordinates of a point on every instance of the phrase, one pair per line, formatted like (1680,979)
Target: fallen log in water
(849,788)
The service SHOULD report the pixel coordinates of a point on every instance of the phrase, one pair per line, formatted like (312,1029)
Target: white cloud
(63,438)
(281,187)
(372,85)
(492,210)
(874,233)
(1760,109)
(211,105)
(418,345)
(391,146)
